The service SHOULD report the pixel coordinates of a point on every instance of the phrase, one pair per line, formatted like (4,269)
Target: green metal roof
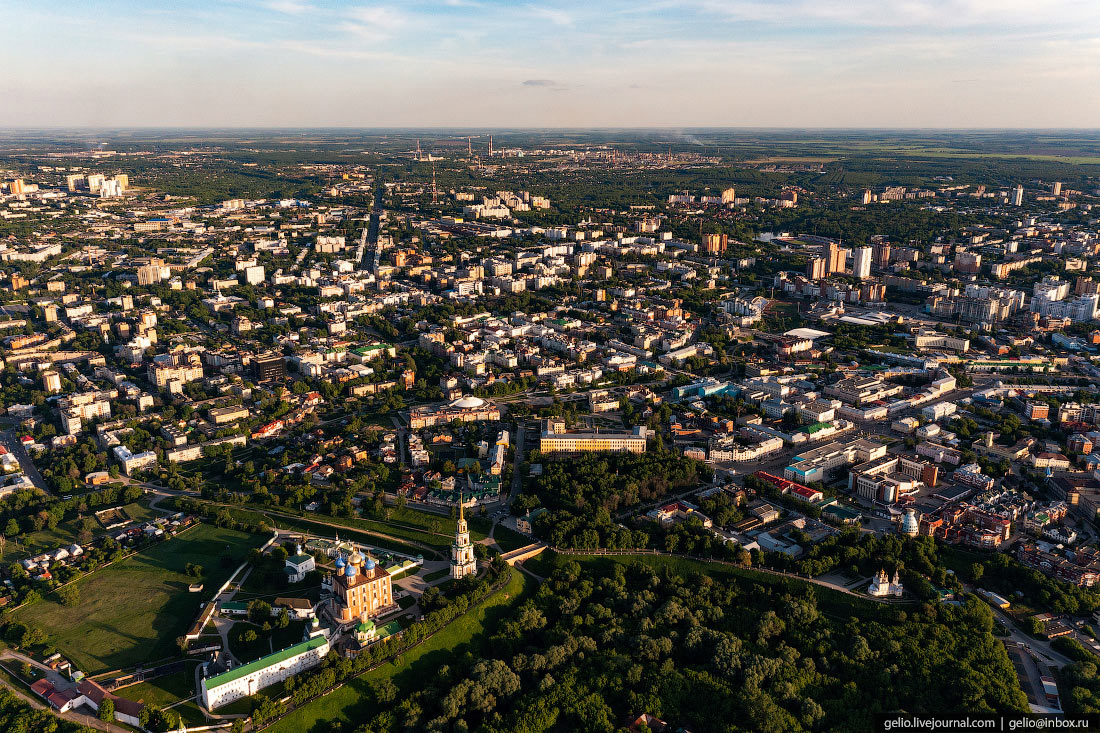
(234,606)
(263,662)
(811,429)
(299,559)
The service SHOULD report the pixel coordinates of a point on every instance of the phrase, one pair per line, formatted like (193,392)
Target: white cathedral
(884,586)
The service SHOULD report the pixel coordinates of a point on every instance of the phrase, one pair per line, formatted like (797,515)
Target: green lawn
(163,691)
(348,533)
(346,705)
(279,639)
(131,612)
(437,575)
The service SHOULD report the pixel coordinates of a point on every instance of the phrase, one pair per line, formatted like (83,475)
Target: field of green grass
(345,705)
(279,639)
(131,612)
(348,532)
(163,691)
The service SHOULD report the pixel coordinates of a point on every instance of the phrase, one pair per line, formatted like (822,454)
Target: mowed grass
(352,702)
(165,690)
(131,612)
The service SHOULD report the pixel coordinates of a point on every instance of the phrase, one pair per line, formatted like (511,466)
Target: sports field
(131,612)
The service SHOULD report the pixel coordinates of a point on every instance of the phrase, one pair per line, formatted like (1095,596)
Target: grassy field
(279,639)
(348,533)
(346,705)
(163,691)
(131,612)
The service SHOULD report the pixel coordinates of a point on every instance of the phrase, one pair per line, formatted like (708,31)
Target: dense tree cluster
(582,493)
(715,652)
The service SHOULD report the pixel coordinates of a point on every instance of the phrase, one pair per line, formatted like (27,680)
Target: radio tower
(469,147)
(418,156)
(435,197)
(490,146)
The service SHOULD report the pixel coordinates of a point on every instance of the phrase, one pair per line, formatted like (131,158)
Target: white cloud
(289,7)
(557,17)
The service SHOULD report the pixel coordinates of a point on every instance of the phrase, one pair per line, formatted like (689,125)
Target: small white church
(883,586)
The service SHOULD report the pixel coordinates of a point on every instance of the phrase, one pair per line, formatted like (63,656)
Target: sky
(592,63)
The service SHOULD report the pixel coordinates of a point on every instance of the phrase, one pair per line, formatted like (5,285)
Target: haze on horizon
(477,63)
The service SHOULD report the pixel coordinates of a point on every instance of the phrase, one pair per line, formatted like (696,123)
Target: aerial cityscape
(522,379)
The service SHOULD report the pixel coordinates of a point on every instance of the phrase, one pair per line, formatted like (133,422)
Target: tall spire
(460,512)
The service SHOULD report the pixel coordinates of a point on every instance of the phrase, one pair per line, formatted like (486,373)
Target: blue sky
(856,63)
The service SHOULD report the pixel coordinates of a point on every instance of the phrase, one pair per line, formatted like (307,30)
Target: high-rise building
(95,182)
(729,196)
(866,199)
(815,268)
(861,262)
(1056,189)
(123,181)
(715,243)
(880,252)
(152,272)
(254,275)
(74,181)
(968,262)
(1018,196)
(462,552)
(51,380)
(834,258)
(17,187)
(269,368)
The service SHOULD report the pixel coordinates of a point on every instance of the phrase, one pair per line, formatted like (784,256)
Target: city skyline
(286,63)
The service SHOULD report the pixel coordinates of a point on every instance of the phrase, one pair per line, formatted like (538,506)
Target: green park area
(68,532)
(468,633)
(131,612)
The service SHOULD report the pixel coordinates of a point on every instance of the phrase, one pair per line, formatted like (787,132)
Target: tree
(249,636)
(68,595)
(106,709)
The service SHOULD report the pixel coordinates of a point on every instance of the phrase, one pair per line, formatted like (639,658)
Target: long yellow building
(556,439)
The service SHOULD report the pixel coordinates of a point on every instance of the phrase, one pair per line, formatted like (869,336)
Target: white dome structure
(468,403)
(910,526)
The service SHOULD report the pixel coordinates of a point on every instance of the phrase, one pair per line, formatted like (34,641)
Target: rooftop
(263,662)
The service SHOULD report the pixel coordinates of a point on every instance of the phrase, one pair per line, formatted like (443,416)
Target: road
(10,441)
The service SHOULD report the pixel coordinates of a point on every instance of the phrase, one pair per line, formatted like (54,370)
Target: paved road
(11,442)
